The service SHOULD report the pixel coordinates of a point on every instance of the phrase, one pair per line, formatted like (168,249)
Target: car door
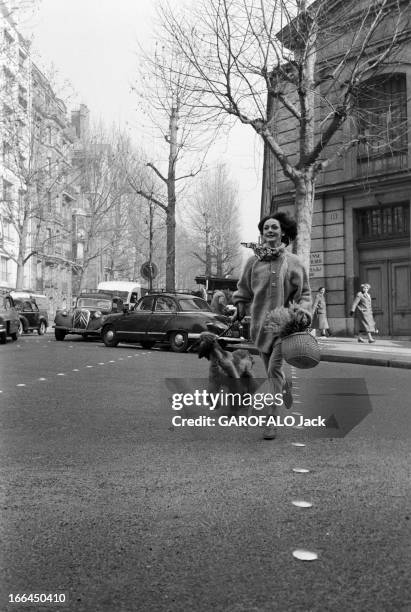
(29,314)
(133,325)
(163,316)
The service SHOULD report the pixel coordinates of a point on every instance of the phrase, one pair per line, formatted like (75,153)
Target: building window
(381,110)
(4,268)
(384,222)
(7,191)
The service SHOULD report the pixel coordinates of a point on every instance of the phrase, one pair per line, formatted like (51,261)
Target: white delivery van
(128,291)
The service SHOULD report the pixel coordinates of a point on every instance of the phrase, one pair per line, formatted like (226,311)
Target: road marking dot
(101,363)
(61,374)
(21,385)
(76,370)
(89,366)
(297,413)
(297,444)
(300,470)
(305,555)
(297,402)
(302,504)
(112,361)
(42,379)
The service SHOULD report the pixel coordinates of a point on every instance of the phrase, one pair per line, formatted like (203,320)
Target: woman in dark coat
(362,309)
(271,278)
(320,320)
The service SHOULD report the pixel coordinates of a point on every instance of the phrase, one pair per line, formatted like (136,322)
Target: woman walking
(362,309)
(320,320)
(272,277)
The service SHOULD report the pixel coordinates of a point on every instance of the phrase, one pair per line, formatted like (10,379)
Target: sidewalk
(384,352)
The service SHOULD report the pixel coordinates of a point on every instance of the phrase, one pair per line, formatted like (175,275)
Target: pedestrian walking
(362,310)
(220,301)
(320,320)
(273,277)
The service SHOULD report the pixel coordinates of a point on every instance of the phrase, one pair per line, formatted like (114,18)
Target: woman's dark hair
(288,225)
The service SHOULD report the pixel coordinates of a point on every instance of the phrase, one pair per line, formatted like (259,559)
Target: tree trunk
(304,204)
(171,203)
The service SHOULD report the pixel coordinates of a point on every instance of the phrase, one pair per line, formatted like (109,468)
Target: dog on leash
(230,372)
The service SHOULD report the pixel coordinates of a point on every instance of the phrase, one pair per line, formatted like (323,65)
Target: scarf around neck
(265,253)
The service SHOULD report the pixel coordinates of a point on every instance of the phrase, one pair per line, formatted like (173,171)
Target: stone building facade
(361,221)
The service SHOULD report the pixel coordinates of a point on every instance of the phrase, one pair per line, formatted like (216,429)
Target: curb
(336,358)
(372,361)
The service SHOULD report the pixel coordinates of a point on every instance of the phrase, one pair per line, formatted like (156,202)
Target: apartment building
(38,185)
(15,66)
(361,220)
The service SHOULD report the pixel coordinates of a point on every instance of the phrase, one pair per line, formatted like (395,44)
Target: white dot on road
(302,504)
(42,379)
(300,470)
(89,366)
(76,370)
(101,363)
(129,356)
(21,385)
(305,555)
(297,444)
(112,361)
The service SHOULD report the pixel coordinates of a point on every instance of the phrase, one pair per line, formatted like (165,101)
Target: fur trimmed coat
(268,285)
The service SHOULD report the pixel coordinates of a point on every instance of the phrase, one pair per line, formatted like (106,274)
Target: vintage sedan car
(173,318)
(9,319)
(32,310)
(87,316)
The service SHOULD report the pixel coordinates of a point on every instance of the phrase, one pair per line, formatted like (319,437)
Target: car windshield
(94,303)
(193,303)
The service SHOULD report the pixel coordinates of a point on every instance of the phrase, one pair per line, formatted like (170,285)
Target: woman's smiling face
(272,232)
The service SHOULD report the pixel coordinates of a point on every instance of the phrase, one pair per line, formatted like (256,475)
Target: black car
(173,318)
(87,316)
(32,310)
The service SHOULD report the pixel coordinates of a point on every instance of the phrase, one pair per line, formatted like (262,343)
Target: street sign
(149,270)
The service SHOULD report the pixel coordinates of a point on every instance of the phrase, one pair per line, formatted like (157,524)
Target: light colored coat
(268,285)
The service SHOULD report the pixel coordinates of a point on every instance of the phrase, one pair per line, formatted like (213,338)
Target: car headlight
(97,314)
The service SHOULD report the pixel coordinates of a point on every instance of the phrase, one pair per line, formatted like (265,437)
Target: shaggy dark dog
(230,372)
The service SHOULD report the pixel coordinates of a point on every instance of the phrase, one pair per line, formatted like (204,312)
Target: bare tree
(302,58)
(213,217)
(102,162)
(166,99)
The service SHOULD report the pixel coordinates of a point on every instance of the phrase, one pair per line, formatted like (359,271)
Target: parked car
(174,318)
(87,316)
(32,311)
(9,319)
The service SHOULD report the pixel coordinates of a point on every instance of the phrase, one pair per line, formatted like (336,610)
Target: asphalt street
(104,500)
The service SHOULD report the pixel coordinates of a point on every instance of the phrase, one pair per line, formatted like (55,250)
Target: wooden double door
(390,281)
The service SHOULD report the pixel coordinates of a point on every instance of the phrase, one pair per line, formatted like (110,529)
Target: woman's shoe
(270,432)
(361,340)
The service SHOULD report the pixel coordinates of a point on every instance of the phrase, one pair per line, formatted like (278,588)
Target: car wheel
(147,344)
(3,338)
(59,334)
(20,329)
(14,336)
(179,341)
(42,329)
(109,336)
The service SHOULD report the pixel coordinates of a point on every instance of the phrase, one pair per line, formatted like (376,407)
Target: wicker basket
(301,350)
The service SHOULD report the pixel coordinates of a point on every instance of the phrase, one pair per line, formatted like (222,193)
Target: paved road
(104,500)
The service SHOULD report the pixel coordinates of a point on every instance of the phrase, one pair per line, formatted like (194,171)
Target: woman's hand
(241,311)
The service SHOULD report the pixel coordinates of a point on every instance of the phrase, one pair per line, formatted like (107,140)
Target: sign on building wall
(316,264)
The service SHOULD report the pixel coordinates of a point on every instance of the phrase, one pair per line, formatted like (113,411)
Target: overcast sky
(93,44)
